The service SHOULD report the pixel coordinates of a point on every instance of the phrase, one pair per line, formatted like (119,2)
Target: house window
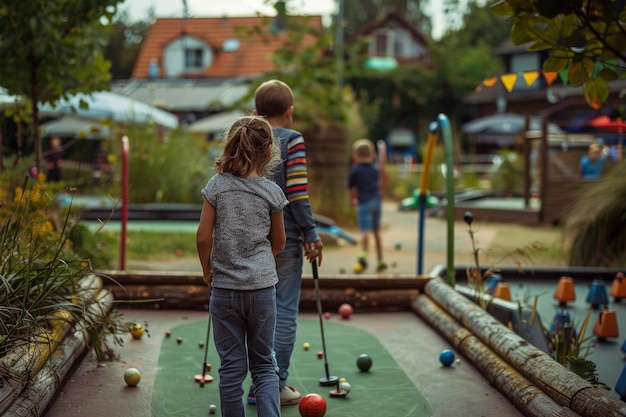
(394,42)
(193,58)
(525,62)
(381,44)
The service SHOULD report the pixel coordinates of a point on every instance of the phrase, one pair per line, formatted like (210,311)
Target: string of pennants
(509,80)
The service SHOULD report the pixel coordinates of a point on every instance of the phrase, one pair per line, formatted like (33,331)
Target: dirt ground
(496,243)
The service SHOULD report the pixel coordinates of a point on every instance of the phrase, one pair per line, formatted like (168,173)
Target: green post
(444,124)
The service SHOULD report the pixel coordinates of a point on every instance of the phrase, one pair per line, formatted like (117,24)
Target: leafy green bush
(169,168)
(509,177)
(41,272)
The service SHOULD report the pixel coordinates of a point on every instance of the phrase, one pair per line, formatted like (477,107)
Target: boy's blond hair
(363,150)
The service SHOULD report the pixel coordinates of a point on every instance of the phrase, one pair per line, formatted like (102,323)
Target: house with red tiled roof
(392,35)
(213,48)
(195,67)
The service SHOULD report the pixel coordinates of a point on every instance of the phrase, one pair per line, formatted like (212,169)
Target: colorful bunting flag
(530,77)
(490,82)
(564,74)
(509,81)
(550,76)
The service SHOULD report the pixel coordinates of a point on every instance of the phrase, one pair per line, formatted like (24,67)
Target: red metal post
(124,202)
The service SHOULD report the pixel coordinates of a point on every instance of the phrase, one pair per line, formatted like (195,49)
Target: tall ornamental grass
(41,275)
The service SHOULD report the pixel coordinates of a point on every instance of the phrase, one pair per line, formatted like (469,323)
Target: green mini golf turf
(384,391)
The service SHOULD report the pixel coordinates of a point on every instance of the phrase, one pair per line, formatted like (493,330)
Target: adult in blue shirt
(591,165)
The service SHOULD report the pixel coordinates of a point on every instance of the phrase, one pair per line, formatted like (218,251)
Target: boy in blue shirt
(364,183)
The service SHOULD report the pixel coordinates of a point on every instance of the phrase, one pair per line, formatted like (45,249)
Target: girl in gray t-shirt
(241,229)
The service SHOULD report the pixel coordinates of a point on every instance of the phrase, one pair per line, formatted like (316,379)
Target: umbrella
(505,124)
(216,123)
(605,122)
(111,106)
(75,127)
(5,98)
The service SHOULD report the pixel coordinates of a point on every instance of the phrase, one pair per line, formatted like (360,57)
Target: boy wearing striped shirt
(274,100)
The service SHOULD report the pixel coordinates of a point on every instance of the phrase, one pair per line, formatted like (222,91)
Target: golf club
(203,378)
(327,380)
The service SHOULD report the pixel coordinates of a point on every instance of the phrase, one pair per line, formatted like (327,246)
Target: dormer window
(186,56)
(193,58)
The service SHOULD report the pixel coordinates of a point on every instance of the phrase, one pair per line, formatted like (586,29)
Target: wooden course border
(43,366)
(532,380)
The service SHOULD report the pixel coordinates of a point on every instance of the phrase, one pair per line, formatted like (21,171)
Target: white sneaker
(289,395)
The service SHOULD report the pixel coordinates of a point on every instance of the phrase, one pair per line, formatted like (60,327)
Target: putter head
(328,381)
(203,378)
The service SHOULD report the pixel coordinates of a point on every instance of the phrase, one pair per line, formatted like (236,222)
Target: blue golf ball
(446,357)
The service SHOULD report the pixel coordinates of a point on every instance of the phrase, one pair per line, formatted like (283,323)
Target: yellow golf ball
(132,376)
(306,346)
(137,330)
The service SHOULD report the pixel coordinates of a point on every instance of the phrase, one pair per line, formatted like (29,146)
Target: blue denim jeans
(243,331)
(368,214)
(289,267)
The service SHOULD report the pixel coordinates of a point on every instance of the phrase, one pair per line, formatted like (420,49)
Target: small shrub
(41,274)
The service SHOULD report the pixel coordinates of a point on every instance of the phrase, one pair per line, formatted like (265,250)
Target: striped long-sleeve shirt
(292,178)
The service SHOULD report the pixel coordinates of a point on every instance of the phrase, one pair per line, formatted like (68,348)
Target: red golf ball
(345,310)
(312,405)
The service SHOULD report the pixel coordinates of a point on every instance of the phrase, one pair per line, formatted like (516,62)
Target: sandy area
(400,241)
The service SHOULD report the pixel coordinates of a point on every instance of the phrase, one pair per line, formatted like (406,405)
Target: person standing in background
(54,160)
(365,190)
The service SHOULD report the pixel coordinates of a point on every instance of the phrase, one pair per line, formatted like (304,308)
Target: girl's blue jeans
(244,323)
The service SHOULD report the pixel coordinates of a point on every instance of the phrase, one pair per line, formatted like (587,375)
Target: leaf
(580,71)
(569,25)
(503,8)
(539,44)
(596,92)
(553,64)
(520,34)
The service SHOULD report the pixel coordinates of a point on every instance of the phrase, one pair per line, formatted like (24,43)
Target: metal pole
(444,125)
(124,202)
(339,45)
(423,190)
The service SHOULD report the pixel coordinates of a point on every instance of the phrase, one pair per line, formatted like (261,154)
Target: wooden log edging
(564,386)
(526,396)
(186,290)
(32,395)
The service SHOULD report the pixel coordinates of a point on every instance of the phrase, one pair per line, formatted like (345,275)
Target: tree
(413,95)
(49,50)
(322,105)
(125,42)
(585,38)
(479,26)
(358,13)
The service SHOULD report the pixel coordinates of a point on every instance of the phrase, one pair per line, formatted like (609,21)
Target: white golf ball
(345,387)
